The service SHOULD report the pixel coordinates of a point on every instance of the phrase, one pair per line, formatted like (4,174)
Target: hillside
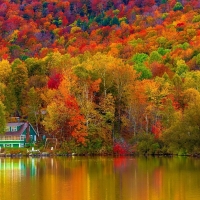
(103,71)
(34,28)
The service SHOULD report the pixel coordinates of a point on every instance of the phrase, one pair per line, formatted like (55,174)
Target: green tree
(139,58)
(181,68)
(173,135)
(19,80)
(114,21)
(34,107)
(10,101)
(155,57)
(167,112)
(177,89)
(183,135)
(198,59)
(106,21)
(162,51)
(2,118)
(2,91)
(143,71)
(163,1)
(162,41)
(178,6)
(35,66)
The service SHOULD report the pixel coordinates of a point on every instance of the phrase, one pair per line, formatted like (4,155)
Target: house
(18,134)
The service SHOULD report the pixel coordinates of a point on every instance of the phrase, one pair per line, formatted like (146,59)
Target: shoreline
(47,154)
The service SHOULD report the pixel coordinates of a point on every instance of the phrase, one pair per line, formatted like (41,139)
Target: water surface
(100,178)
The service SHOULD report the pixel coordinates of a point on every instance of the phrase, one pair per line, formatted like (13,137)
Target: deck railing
(12,137)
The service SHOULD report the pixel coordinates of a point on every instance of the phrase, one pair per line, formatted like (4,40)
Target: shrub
(119,149)
(146,144)
(94,146)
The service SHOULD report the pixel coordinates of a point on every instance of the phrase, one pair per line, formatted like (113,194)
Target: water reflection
(100,178)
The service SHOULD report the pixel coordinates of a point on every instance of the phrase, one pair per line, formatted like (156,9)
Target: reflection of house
(17,134)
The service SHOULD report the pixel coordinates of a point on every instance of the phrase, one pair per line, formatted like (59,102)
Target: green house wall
(32,132)
(19,143)
(12,143)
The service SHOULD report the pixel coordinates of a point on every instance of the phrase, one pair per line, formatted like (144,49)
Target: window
(13,128)
(21,145)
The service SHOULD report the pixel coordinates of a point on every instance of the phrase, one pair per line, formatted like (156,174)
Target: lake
(100,178)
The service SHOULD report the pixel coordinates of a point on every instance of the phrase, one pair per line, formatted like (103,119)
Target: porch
(11,138)
(12,141)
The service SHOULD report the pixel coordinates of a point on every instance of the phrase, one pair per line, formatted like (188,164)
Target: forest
(103,76)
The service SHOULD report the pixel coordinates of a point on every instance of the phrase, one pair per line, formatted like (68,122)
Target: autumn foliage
(54,81)
(119,149)
(91,70)
(76,120)
(157,129)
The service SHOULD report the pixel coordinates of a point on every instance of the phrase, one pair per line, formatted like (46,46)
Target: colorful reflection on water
(100,178)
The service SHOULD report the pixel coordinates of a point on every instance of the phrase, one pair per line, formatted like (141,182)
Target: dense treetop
(101,70)
(122,27)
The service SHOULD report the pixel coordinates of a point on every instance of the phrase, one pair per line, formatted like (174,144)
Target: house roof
(15,124)
(23,125)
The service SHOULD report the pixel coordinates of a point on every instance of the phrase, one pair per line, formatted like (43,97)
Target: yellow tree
(86,92)
(124,77)
(64,119)
(116,79)
(2,118)
(5,71)
(91,90)
(156,92)
(178,90)
(192,80)
(99,65)
(106,115)
(136,105)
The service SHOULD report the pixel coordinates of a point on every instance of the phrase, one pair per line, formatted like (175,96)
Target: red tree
(54,80)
